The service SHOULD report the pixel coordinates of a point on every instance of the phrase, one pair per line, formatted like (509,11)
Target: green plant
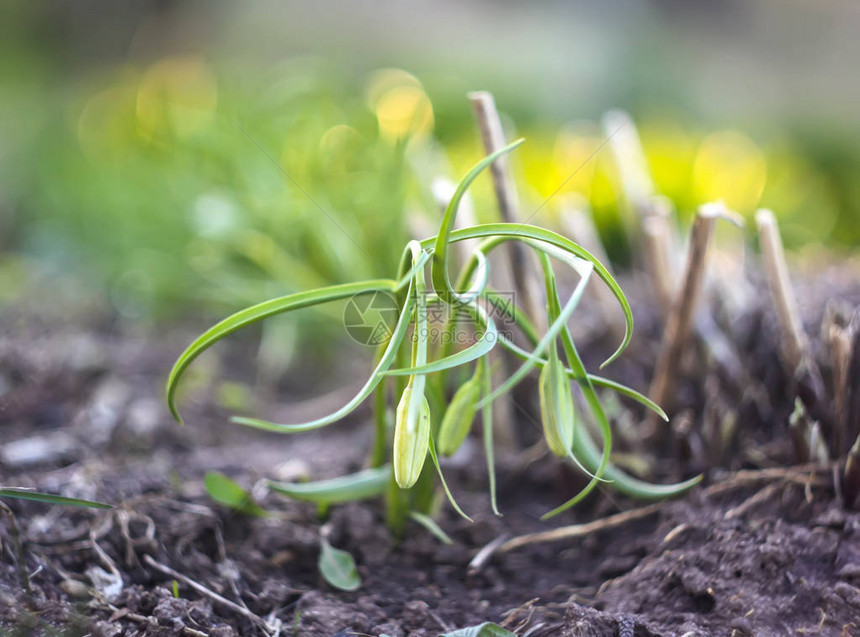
(337,567)
(419,373)
(225,491)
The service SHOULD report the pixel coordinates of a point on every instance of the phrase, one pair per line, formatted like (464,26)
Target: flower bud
(458,417)
(411,438)
(556,406)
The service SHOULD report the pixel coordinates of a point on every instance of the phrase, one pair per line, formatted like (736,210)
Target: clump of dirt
(763,551)
(778,559)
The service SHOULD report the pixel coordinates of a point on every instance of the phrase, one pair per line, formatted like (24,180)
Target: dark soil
(762,552)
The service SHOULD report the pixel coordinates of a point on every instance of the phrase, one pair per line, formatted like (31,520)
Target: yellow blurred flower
(402,107)
(729,166)
(178,96)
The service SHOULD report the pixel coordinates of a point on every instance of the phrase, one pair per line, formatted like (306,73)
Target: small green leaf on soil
(338,567)
(487,629)
(224,491)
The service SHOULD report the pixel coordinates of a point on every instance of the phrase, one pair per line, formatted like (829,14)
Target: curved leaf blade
(20,493)
(258,312)
(362,485)
(225,491)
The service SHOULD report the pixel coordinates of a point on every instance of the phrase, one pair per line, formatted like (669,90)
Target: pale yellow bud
(556,406)
(411,438)
(458,417)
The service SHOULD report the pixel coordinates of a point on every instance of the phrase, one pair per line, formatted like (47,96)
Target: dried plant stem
(803,475)
(626,146)
(658,241)
(493,137)
(207,592)
(794,342)
(680,319)
(580,530)
(807,474)
(486,553)
(837,332)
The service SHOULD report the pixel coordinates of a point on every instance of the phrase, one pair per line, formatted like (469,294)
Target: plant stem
(794,342)
(493,136)
(680,319)
(838,332)
(657,234)
(794,345)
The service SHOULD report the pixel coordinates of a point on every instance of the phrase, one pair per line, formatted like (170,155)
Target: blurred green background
(166,159)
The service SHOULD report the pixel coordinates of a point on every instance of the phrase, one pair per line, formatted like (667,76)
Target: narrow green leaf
(368,483)
(586,450)
(553,307)
(522,231)
(561,385)
(375,378)
(479,283)
(623,482)
(487,424)
(432,449)
(598,381)
(20,493)
(225,491)
(338,567)
(551,333)
(440,243)
(259,312)
(430,524)
(483,345)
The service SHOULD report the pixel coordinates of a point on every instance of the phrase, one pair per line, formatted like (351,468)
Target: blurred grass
(178,185)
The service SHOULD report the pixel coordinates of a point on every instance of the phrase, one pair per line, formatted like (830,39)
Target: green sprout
(418,374)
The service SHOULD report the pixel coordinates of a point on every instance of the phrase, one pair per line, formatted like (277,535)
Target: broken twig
(680,320)
(794,342)
(580,530)
(799,365)
(244,612)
